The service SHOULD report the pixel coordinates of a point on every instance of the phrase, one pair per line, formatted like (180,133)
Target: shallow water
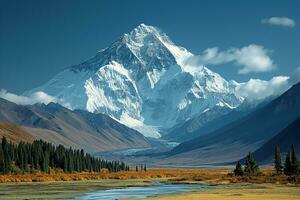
(140,192)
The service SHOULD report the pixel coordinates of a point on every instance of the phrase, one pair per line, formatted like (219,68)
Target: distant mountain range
(235,140)
(212,120)
(142,81)
(59,125)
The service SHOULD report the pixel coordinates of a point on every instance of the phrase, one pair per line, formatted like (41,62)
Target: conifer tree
(238,171)
(277,160)
(45,162)
(1,160)
(136,168)
(70,163)
(83,166)
(294,161)
(65,161)
(251,166)
(7,158)
(287,164)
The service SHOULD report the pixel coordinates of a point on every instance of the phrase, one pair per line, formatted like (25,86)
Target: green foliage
(238,171)
(277,160)
(251,166)
(40,155)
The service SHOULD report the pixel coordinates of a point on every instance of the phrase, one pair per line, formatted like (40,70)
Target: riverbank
(62,189)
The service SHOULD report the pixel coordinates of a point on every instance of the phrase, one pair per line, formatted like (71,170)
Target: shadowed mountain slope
(233,141)
(285,138)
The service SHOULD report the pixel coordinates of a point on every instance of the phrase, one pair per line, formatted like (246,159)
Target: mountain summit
(141,80)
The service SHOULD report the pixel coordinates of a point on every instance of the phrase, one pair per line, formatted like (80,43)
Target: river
(156,189)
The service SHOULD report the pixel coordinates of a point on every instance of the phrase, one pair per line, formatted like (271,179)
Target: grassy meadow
(239,192)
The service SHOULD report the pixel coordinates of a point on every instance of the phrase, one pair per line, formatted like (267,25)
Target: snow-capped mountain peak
(149,36)
(141,80)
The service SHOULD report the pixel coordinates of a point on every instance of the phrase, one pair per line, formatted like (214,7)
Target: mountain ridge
(79,129)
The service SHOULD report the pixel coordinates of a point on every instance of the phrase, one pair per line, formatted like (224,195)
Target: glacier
(142,81)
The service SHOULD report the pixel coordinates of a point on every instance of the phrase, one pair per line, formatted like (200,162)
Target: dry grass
(170,175)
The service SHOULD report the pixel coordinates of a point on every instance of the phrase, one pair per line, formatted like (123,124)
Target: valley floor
(267,186)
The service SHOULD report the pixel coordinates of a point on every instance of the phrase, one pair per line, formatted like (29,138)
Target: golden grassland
(172,174)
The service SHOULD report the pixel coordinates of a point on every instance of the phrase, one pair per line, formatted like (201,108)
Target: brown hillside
(14,133)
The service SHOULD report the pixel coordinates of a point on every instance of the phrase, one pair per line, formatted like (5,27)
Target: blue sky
(39,38)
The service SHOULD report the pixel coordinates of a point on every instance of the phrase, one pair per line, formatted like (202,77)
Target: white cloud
(254,58)
(37,97)
(251,58)
(256,89)
(279,21)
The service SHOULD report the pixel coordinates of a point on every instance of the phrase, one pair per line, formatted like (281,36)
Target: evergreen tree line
(41,155)
(291,165)
(142,168)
